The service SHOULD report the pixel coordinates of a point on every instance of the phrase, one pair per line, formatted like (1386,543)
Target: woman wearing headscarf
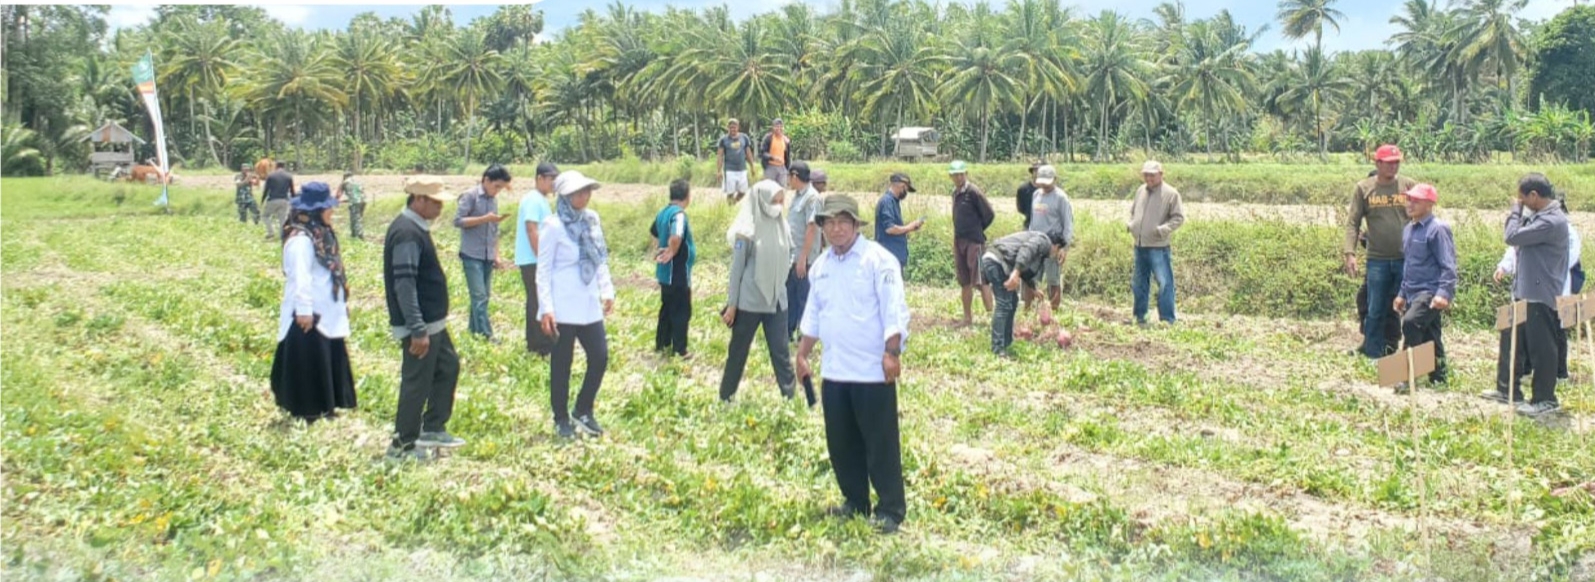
(574,293)
(310,375)
(761,256)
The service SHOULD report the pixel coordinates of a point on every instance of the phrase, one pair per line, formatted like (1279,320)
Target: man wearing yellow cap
(418,309)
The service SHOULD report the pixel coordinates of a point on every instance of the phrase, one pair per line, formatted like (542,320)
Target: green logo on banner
(144,70)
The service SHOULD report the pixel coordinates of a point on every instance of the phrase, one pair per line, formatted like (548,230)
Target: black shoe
(440,439)
(1494,396)
(564,430)
(589,426)
(884,525)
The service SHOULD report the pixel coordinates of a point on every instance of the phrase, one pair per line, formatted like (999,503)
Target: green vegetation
(1461,186)
(1462,82)
(138,443)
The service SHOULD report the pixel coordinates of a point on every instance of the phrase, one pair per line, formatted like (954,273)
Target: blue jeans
(1006,304)
(479,280)
(1384,281)
(1150,262)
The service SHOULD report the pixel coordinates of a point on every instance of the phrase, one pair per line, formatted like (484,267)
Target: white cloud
(292,15)
(124,16)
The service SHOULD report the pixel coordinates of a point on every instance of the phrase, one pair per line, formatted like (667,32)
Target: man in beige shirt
(1154,216)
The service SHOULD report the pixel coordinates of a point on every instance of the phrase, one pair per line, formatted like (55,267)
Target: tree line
(1000,81)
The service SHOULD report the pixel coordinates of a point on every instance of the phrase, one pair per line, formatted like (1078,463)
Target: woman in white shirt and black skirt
(574,293)
(310,375)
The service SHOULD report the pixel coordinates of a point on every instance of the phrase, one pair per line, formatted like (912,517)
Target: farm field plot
(140,440)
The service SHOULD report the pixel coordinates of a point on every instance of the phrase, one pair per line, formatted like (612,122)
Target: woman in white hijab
(761,255)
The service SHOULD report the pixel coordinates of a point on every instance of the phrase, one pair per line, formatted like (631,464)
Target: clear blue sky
(1366,26)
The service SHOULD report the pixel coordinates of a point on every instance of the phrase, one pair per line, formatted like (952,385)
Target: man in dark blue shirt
(890,231)
(1429,277)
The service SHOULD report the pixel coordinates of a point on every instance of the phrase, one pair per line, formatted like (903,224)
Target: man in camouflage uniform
(349,191)
(245,195)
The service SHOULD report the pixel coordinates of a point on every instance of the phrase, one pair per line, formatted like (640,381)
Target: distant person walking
(1052,214)
(775,152)
(351,191)
(310,373)
(477,218)
(418,309)
(1381,202)
(675,254)
(972,215)
(1537,227)
(891,233)
(244,195)
(859,314)
(575,294)
(529,217)
(731,155)
(761,259)
(1154,216)
(279,188)
(1428,279)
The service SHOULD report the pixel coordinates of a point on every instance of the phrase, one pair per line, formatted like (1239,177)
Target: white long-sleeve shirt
(856,303)
(560,289)
(309,291)
(1575,243)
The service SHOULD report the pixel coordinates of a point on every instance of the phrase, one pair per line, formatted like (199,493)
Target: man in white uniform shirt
(857,309)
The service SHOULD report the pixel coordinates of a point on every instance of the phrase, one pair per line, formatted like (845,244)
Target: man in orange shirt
(773,150)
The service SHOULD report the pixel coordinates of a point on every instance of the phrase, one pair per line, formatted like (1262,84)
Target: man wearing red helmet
(1381,201)
(1429,277)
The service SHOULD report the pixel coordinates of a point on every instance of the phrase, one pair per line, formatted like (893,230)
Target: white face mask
(776,210)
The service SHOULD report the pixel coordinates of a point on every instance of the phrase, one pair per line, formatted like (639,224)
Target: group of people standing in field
(803,272)
(1411,277)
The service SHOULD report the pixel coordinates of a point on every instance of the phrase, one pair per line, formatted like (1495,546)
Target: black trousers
(426,389)
(866,448)
(1537,351)
(1421,324)
(775,338)
(595,342)
(537,342)
(675,314)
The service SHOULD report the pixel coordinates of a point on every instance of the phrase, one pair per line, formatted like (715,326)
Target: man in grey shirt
(731,156)
(1051,213)
(1537,226)
(807,242)
(477,219)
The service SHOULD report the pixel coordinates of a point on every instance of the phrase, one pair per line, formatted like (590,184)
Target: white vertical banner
(144,77)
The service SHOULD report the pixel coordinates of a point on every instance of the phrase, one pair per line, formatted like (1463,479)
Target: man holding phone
(890,231)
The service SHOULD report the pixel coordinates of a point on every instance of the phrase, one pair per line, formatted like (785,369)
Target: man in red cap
(1381,201)
(1429,278)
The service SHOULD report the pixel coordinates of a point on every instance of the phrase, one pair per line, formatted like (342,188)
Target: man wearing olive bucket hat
(856,308)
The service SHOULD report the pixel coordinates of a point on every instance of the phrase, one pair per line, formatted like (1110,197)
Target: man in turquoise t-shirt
(675,256)
(533,209)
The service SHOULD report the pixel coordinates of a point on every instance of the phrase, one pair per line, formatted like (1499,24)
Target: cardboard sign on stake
(1587,309)
(1568,308)
(1510,316)
(1393,368)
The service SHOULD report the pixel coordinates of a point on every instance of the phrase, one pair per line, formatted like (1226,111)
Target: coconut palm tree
(294,82)
(1113,66)
(198,61)
(1300,17)
(1489,40)
(474,71)
(978,78)
(1314,82)
(1209,75)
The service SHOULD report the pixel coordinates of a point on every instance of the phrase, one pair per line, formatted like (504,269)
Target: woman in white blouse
(574,293)
(310,375)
